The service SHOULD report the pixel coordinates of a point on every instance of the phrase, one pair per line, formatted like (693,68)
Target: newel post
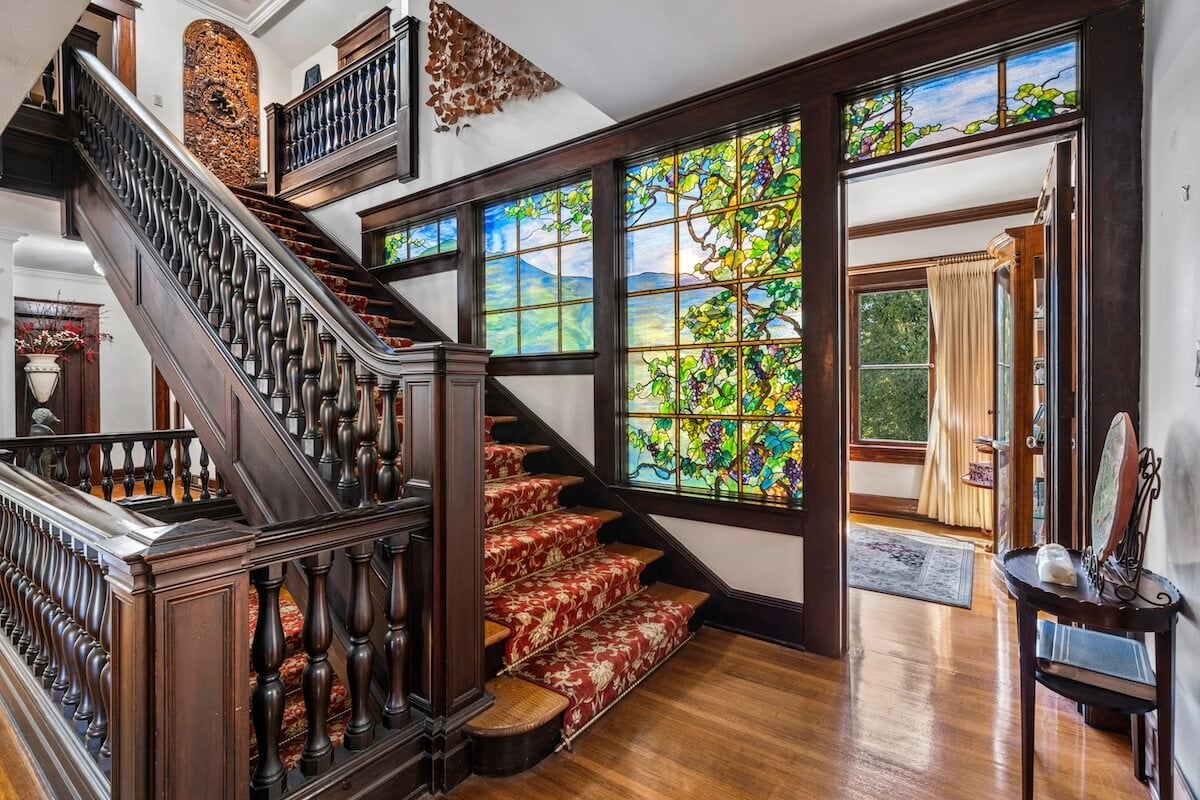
(275,145)
(180,662)
(442,384)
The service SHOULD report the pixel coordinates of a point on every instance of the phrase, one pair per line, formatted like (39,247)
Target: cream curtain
(960,299)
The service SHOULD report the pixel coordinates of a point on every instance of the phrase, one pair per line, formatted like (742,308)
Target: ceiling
(630,56)
(27,42)
(42,246)
(980,181)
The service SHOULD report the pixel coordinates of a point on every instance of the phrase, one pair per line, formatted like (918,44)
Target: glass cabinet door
(1002,416)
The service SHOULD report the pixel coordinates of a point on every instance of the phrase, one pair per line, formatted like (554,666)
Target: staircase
(571,625)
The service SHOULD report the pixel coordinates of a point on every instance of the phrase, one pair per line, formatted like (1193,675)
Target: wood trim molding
(417,268)
(886,506)
(548,364)
(363,37)
(887,453)
(759,516)
(941,219)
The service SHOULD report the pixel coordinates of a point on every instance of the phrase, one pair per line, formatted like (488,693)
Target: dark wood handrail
(166,435)
(291,541)
(342,72)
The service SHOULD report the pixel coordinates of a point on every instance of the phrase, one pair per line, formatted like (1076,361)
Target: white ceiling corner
(251,16)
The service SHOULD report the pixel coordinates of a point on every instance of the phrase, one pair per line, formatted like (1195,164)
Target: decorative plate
(1116,485)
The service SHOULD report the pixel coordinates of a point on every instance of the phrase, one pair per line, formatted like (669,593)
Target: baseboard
(772,619)
(64,766)
(885,506)
(1183,788)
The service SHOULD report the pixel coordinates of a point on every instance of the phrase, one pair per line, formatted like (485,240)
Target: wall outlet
(158,101)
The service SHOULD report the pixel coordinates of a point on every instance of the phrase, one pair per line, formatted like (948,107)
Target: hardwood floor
(924,706)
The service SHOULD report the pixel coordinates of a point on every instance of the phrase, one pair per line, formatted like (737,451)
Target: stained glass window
(421,238)
(538,272)
(1001,93)
(713,323)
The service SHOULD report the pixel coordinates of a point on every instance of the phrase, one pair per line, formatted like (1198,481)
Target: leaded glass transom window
(427,237)
(1002,93)
(713,325)
(538,272)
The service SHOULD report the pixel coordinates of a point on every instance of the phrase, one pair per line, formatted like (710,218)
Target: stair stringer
(265,469)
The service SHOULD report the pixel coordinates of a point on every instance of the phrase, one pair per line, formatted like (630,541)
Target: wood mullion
(470,271)
(609,336)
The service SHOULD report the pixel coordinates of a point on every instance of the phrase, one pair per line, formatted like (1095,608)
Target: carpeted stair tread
(593,666)
(541,608)
(520,707)
(494,633)
(524,546)
(509,499)
(503,460)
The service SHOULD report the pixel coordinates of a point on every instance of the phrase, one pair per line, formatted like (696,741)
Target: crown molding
(11,235)
(253,23)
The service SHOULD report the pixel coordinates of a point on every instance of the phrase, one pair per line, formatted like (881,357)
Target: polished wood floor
(923,708)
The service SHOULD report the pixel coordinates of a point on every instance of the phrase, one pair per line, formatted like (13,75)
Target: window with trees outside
(892,355)
(714,383)
(1001,93)
(538,272)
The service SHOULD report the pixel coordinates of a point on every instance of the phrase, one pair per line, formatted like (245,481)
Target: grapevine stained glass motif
(1002,93)
(538,272)
(713,323)
(422,238)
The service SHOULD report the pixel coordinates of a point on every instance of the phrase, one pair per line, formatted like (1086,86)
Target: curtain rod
(913,263)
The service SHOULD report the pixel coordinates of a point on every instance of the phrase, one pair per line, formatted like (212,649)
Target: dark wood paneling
(943,218)
(758,516)
(364,37)
(884,506)
(884,453)
(609,335)
(470,290)
(418,268)
(549,364)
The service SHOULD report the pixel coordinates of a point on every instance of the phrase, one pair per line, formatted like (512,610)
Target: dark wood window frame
(878,279)
(1110,158)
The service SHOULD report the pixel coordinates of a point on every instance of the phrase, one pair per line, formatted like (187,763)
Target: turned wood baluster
(279,329)
(266,702)
(7,541)
(149,466)
(295,369)
(90,641)
(128,480)
(185,467)
(360,615)
(200,263)
(35,656)
(216,248)
(317,680)
(60,463)
(55,628)
(326,122)
(388,479)
(236,305)
(289,136)
(48,103)
(168,471)
(106,470)
(328,384)
(389,87)
(183,235)
(347,403)
(250,322)
(69,629)
(368,428)
(25,598)
(160,201)
(310,389)
(205,493)
(85,468)
(265,374)
(222,489)
(105,708)
(75,635)
(335,130)
(225,320)
(395,710)
(20,558)
(97,656)
(173,200)
(140,205)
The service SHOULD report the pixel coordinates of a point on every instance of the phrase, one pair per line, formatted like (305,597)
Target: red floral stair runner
(525,546)
(599,662)
(510,499)
(295,728)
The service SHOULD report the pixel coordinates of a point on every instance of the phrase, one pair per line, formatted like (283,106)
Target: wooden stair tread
(646,555)
(565,480)
(520,707)
(494,633)
(605,515)
(666,591)
(503,420)
(533,448)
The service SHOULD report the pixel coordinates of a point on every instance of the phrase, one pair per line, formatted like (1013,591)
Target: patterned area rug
(934,568)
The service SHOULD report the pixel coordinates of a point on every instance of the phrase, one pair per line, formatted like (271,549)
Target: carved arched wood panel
(220,101)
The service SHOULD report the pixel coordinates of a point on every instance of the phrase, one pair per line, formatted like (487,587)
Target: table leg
(1027,644)
(1137,739)
(1164,658)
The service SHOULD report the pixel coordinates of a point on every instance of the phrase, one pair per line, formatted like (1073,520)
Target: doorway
(961,273)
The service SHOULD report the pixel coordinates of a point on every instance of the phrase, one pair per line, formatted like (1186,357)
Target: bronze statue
(40,464)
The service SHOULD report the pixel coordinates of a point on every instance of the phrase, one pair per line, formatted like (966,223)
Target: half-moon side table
(1084,605)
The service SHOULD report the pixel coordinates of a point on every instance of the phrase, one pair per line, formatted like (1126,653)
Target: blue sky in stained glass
(448,234)
(1052,67)
(499,231)
(650,258)
(953,102)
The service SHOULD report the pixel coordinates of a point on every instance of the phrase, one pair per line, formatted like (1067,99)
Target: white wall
(565,402)
(8,365)
(770,564)
(126,377)
(887,480)
(1171,320)
(160,27)
(436,296)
